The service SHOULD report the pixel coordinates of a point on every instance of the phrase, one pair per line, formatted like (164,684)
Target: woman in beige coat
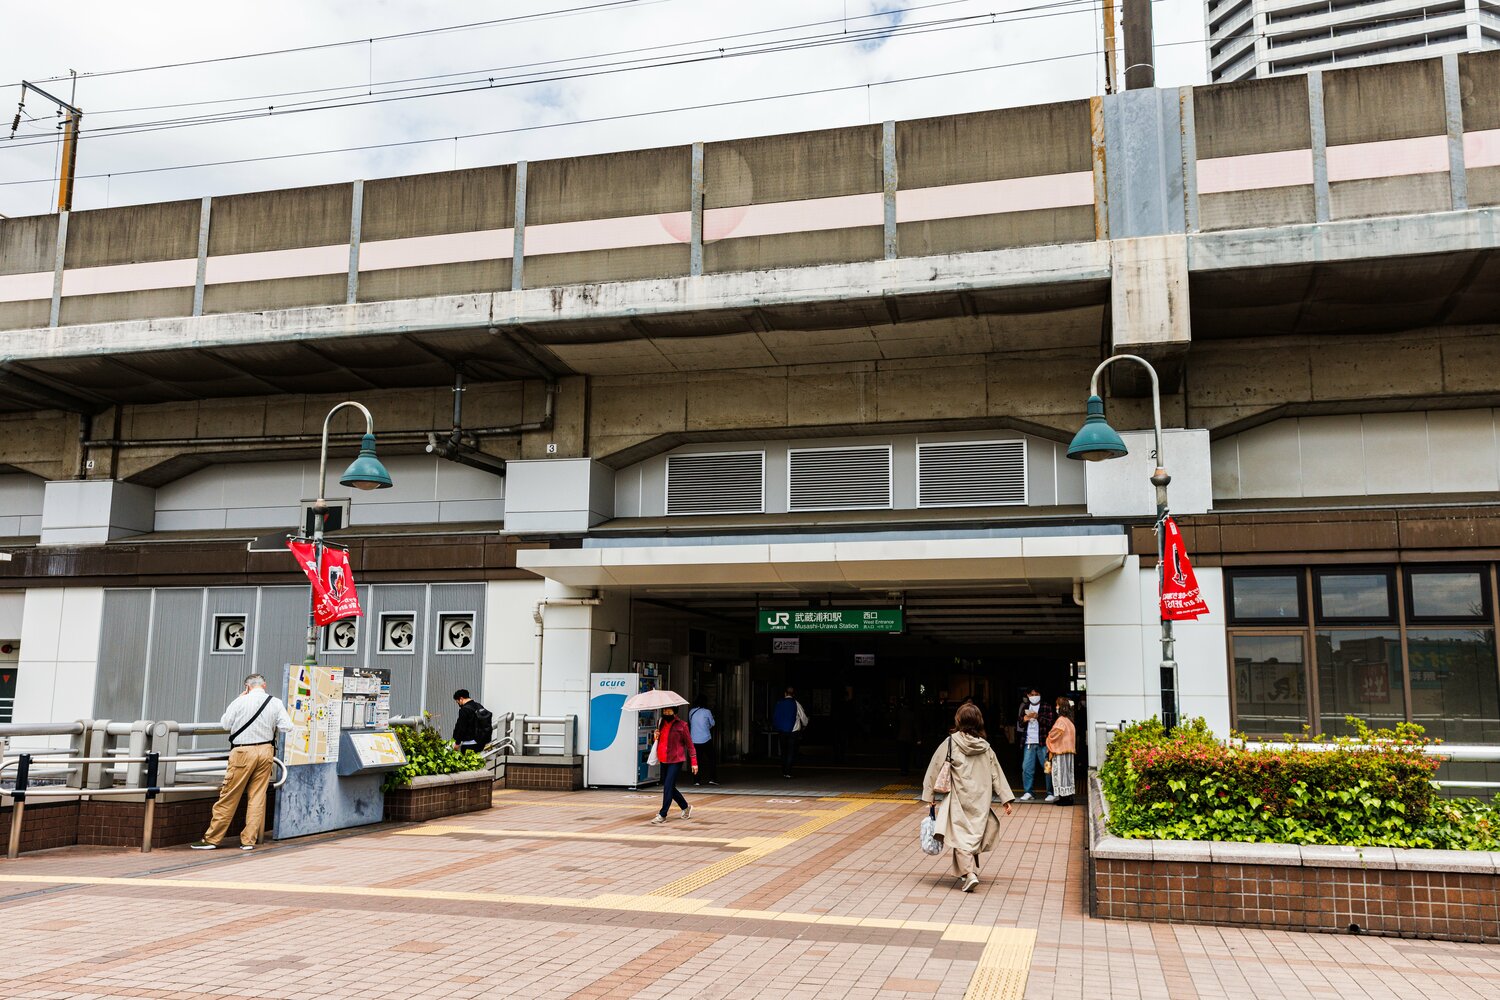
(966,819)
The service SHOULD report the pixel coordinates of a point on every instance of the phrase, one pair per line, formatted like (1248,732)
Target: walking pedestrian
(253,719)
(966,819)
(789,718)
(701,724)
(1033,721)
(475,725)
(674,747)
(1062,745)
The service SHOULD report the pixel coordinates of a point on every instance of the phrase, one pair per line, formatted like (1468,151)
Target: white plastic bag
(931,843)
(651,757)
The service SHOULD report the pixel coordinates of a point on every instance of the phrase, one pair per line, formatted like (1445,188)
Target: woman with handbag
(673,747)
(967,769)
(1062,745)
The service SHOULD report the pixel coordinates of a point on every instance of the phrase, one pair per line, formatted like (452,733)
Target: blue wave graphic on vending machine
(604,720)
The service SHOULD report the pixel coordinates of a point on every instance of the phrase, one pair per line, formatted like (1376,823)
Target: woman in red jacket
(674,746)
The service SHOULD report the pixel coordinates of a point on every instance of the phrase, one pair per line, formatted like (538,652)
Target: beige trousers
(249,771)
(965,863)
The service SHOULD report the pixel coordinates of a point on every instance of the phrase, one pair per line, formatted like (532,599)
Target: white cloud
(105,35)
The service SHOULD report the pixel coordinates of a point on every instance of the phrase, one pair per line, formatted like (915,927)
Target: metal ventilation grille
(838,478)
(729,483)
(971,473)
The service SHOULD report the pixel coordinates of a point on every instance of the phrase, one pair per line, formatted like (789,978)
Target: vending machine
(620,739)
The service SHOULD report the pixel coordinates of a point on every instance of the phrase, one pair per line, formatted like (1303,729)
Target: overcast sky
(1040,51)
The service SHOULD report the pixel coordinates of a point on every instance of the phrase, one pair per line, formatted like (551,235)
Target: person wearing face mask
(674,747)
(1033,722)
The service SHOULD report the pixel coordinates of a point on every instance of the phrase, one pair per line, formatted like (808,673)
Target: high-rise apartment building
(1259,38)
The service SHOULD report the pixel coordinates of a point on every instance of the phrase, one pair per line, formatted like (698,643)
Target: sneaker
(970,881)
(1026,798)
(203,845)
(1050,798)
(713,782)
(247,847)
(687,813)
(786,775)
(658,819)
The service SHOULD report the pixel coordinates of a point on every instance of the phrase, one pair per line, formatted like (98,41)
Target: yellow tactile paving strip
(1001,973)
(618,902)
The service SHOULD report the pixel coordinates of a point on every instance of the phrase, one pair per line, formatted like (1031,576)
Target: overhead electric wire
(607,118)
(490,83)
(322,46)
(570,59)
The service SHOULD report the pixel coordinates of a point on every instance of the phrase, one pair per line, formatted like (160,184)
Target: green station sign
(830,620)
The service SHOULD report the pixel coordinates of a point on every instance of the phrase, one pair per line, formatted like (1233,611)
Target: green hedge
(1374,789)
(428,752)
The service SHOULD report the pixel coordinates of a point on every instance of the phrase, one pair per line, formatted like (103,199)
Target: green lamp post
(1097,441)
(365,473)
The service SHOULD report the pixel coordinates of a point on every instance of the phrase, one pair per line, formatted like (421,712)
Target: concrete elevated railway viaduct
(677,361)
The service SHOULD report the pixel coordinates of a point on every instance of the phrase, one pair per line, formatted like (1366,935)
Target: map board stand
(315,799)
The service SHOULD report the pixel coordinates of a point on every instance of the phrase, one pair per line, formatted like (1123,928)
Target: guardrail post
(18,812)
(139,732)
(96,744)
(153,765)
(79,747)
(570,735)
(164,740)
(521,735)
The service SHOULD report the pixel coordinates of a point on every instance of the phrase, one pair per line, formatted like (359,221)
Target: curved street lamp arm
(369,429)
(1161,461)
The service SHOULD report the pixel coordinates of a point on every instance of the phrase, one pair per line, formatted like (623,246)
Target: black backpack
(484,725)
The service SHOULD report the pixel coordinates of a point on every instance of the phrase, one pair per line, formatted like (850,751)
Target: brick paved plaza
(574,895)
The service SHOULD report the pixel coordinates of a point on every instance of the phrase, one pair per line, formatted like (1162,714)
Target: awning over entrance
(954,558)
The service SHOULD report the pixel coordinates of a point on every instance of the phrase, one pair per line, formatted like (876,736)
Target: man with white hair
(253,720)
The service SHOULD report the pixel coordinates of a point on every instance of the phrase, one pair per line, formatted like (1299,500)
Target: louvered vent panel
(839,478)
(716,484)
(971,473)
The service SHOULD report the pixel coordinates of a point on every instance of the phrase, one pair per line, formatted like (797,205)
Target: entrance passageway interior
(878,703)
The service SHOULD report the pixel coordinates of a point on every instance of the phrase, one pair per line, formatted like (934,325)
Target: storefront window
(1454,691)
(1264,598)
(1363,596)
(1450,594)
(1359,674)
(1270,691)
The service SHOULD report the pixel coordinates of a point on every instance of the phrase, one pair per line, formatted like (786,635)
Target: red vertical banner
(1180,598)
(335,596)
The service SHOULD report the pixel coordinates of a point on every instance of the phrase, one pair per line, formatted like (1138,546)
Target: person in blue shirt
(701,722)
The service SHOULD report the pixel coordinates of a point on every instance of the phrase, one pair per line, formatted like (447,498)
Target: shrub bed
(428,752)
(1373,789)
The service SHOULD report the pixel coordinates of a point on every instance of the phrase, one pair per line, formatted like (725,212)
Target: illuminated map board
(313,700)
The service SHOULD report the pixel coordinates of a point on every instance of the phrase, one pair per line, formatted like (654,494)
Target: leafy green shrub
(1373,789)
(428,752)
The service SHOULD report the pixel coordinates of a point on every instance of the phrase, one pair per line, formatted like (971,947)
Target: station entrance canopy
(875,561)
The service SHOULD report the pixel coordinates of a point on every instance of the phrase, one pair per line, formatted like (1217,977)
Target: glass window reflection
(1454,691)
(1270,687)
(1266,598)
(1456,594)
(1359,674)
(1354,595)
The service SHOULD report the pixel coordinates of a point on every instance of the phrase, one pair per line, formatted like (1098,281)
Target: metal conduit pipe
(1078,592)
(538,616)
(461,446)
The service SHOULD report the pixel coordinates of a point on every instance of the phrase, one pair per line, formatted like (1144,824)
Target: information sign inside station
(830,620)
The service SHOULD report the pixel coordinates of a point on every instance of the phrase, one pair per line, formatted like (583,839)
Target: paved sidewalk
(554,895)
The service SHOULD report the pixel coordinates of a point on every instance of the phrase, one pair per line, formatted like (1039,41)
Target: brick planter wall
(1451,895)
(520,773)
(434,795)
(44,825)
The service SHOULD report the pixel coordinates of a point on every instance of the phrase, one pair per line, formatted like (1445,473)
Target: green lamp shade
(366,472)
(1096,440)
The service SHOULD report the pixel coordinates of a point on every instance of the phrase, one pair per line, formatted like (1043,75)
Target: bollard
(18,796)
(153,764)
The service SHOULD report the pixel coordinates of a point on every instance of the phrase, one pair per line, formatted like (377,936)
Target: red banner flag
(335,596)
(1180,598)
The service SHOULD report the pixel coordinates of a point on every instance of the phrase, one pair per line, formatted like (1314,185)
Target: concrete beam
(1350,239)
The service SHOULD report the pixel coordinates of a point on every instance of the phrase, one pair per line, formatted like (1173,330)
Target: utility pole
(1140,44)
(1111,78)
(70,127)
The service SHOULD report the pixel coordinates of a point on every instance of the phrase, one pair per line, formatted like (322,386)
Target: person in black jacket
(467,728)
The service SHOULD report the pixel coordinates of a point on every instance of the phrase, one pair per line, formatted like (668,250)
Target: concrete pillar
(59,655)
(579,640)
(1149,310)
